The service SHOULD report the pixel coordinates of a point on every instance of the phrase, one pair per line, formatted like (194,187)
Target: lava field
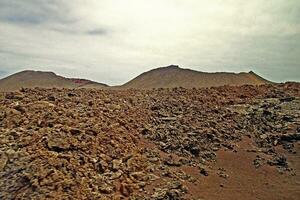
(230,142)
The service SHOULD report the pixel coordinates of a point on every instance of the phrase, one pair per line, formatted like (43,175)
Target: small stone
(159,194)
(51,98)
(116,164)
(154,159)
(116,175)
(152,177)
(141,184)
(71,94)
(223,175)
(106,189)
(195,151)
(279,161)
(287,99)
(58,144)
(263,136)
(15,95)
(125,189)
(101,166)
(168,118)
(171,162)
(107,100)
(75,131)
(3,161)
(173,194)
(90,103)
(137,176)
(20,108)
(10,153)
(290,137)
(174,185)
(257,161)
(115,107)
(203,172)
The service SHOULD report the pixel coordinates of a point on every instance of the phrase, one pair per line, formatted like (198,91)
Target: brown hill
(32,79)
(173,76)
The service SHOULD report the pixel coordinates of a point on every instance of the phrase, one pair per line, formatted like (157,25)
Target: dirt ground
(247,182)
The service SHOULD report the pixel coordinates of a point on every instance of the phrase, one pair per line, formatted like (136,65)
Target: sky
(112,41)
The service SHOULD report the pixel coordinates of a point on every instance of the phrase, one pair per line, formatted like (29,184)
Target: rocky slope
(220,143)
(173,76)
(32,79)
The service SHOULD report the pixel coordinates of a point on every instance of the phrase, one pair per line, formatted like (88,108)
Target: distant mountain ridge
(162,77)
(174,76)
(32,79)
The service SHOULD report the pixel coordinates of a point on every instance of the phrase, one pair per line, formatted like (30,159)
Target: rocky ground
(217,143)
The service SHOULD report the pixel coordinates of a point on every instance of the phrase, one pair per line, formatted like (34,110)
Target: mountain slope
(32,79)
(173,76)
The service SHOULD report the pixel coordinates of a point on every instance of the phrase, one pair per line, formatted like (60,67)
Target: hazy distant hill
(31,79)
(173,76)
(163,77)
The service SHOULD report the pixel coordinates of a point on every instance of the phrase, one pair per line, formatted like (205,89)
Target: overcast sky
(112,41)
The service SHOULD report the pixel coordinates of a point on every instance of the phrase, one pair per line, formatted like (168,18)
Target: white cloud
(112,41)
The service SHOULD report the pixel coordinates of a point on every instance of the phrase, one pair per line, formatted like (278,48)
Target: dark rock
(288,146)
(107,100)
(287,99)
(267,113)
(171,162)
(258,161)
(173,194)
(195,151)
(101,166)
(51,98)
(125,190)
(174,185)
(192,148)
(287,118)
(71,94)
(58,144)
(75,131)
(290,137)
(20,108)
(15,95)
(203,172)
(208,155)
(279,161)
(223,175)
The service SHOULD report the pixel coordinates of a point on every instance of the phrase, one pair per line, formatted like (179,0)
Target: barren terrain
(163,77)
(230,142)
(32,79)
(174,76)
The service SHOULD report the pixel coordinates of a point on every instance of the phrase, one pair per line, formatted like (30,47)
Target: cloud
(113,41)
(32,11)
(98,31)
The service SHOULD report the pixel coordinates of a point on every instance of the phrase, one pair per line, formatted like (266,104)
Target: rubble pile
(197,123)
(135,144)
